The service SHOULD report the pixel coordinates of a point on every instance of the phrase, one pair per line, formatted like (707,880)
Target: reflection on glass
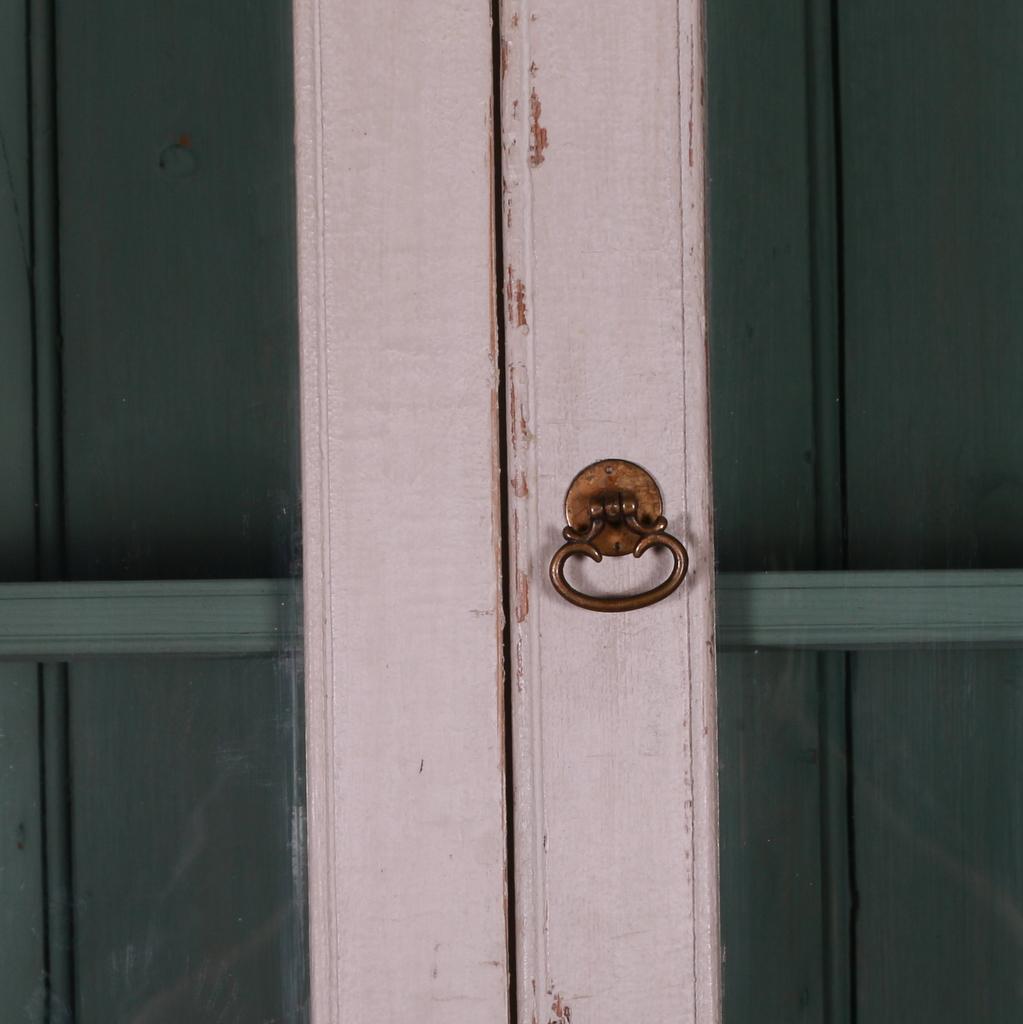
(186,840)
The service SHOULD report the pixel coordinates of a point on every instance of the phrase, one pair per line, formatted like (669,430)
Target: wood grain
(614,721)
(401,512)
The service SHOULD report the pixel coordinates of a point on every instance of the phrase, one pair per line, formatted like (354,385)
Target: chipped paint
(520,305)
(536,218)
(692,72)
(537,133)
(493,257)
(518,426)
(512,419)
(521,596)
(516,296)
(561,1010)
(506,195)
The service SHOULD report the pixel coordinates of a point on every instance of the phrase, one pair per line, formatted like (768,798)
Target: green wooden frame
(807,610)
(855,611)
(64,621)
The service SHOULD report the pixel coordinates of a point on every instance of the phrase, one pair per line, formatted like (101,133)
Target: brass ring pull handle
(614,508)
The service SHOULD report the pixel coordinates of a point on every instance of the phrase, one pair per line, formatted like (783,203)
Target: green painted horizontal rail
(864,610)
(809,610)
(58,621)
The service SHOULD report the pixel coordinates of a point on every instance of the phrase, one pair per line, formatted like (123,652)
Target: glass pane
(935,807)
(774,861)
(152,862)
(866,362)
(182,886)
(186,840)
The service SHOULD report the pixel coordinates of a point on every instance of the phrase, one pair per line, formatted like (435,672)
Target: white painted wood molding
(614,716)
(401,527)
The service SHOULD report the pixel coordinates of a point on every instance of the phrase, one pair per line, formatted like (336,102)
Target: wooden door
(613,738)
(502,282)
(509,801)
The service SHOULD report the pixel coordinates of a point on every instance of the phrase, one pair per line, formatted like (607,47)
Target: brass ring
(627,602)
(613,507)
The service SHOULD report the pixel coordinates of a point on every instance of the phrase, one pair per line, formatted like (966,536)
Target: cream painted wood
(402,596)
(614,716)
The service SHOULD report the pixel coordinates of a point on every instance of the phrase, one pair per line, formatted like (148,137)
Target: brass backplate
(607,478)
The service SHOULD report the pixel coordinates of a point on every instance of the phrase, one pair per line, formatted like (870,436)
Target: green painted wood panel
(760,314)
(187,851)
(933,228)
(180,458)
(23,953)
(23,938)
(178,289)
(931,234)
(939,832)
(17,536)
(771,871)
(771,324)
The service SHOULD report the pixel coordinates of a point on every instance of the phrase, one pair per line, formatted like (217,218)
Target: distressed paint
(401,523)
(613,717)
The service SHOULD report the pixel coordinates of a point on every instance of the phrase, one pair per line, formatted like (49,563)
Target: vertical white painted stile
(614,744)
(401,527)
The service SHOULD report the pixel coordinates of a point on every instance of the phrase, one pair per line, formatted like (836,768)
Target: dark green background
(867,368)
(147,244)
